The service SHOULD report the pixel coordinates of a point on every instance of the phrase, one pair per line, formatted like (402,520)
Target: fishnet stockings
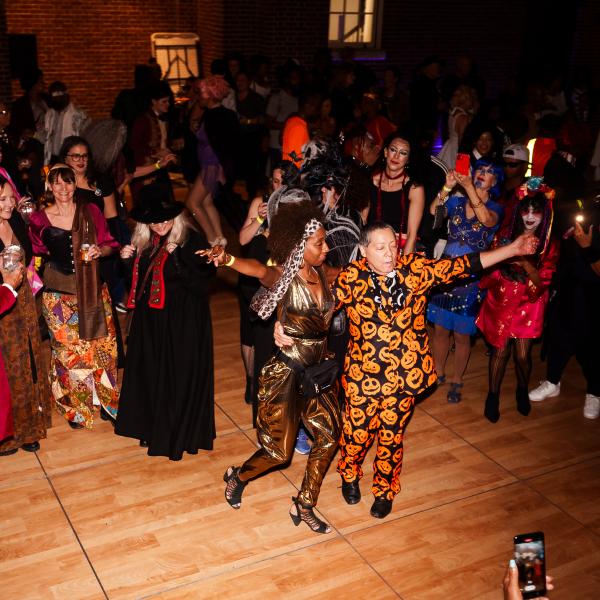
(499,359)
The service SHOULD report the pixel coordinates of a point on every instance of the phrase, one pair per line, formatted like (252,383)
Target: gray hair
(365,234)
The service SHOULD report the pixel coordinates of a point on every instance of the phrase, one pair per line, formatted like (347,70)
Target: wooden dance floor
(92,516)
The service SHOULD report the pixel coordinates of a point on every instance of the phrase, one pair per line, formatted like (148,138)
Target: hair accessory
(266,299)
(534,185)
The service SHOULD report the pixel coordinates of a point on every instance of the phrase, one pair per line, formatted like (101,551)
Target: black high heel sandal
(306,514)
(235,487)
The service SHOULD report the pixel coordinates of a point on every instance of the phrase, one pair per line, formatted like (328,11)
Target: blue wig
(494,191)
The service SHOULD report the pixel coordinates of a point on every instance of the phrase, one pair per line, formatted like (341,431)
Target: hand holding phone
(530,557)
(463,163)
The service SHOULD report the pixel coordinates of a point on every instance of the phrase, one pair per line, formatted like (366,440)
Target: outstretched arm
(246,266)
(437,272)
(524,245)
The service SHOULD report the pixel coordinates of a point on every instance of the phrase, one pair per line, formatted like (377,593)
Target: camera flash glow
(579,218)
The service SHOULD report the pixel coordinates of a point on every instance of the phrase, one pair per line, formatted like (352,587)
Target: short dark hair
(365,234)
(158,90)
(65,173)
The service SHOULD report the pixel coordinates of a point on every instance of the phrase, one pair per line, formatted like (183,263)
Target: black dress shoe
(381,508)
(74,425)
(9,452)
(33,447)
(143,443)
(351,492)
(523,405)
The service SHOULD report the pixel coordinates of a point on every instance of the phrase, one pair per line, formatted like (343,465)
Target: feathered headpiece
(323,166)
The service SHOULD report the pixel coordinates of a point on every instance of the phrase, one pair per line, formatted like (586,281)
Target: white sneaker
(544,390)
(591,408)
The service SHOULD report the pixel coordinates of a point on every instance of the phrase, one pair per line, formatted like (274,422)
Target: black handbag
(314,379)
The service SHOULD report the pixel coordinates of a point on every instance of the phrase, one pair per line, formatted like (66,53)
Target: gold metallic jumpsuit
(280,406)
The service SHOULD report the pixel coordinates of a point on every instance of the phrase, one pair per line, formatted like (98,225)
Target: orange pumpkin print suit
(388,362)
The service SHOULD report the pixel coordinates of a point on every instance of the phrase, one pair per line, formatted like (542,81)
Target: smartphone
(463,163)
(530,556)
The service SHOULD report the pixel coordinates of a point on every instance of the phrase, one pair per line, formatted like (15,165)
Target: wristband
(260,220)
(229,261)
(157,165)
(446,188)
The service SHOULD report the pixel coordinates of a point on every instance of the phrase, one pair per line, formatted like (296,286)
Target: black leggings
(499,359)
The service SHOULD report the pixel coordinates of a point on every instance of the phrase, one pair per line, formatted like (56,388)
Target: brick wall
(4,64)
(93,45)
(211,16)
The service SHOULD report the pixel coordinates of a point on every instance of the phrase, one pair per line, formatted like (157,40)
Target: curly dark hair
(287,227)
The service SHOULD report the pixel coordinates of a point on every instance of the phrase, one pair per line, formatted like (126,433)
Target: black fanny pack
(314,379)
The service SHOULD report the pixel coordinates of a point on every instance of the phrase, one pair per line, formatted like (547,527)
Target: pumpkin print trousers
(366,418)
(280,410)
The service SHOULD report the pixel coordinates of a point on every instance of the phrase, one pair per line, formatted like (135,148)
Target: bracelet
(477,205)
(157,165)
(260,220)
(229,260)
(446,188)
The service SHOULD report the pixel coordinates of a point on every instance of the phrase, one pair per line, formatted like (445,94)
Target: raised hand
(215,255)
(525,244)
(583,238)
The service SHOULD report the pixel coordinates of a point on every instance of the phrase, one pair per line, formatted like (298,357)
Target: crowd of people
(361,235)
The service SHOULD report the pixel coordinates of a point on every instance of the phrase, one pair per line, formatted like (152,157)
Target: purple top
(39,222)
(206,155)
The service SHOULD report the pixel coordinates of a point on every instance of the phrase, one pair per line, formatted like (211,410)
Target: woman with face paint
(512,313)
(472,222)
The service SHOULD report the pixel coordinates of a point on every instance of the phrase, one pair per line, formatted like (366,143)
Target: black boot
(249,389)
(523,405)
(492,407)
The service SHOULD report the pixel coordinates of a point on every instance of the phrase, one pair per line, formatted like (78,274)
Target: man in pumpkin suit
(388,361)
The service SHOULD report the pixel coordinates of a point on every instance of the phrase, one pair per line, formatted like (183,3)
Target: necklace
(390,178)
(308,280)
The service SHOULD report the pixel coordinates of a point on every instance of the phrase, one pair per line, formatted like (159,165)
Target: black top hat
(155,204)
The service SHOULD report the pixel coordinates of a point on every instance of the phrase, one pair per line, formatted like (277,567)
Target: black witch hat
(156,204)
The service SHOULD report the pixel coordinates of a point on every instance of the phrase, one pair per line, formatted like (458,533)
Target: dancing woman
(517,296)
(298,290)
(473,221)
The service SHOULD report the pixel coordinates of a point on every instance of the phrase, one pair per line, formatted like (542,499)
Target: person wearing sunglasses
(473,219)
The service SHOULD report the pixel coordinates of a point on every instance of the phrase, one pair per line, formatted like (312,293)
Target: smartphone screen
(530,556)
(462,163)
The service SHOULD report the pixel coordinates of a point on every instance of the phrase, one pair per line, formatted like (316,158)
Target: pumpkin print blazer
(388,352)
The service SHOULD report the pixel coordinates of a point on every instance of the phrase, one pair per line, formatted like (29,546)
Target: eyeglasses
(78,156)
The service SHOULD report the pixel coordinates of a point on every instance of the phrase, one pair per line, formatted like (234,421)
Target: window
(353,22)
(177,55)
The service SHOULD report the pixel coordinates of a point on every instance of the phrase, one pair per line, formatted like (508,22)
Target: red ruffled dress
(515,309)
